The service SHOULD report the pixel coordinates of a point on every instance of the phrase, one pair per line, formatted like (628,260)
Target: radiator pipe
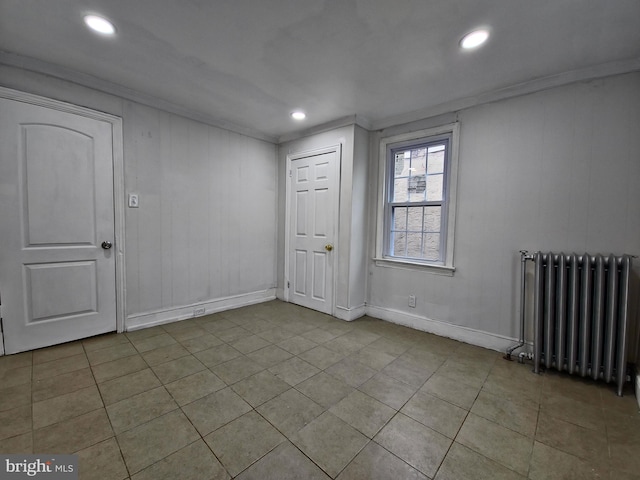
(524,256)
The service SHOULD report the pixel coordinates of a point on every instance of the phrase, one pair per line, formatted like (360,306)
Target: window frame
(408,140)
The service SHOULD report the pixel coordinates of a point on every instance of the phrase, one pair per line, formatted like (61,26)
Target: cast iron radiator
(581,315)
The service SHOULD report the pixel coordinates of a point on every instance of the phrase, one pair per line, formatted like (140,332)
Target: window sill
(408,265)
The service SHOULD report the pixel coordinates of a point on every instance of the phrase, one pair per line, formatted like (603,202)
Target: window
(416,216)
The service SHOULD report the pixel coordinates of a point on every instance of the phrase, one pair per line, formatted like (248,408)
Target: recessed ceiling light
(99,24)
(298,115)
(474,39)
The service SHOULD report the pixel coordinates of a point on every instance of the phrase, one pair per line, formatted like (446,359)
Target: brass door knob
(328,247)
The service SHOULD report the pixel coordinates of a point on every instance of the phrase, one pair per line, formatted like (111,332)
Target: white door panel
(56,195)
(313,230)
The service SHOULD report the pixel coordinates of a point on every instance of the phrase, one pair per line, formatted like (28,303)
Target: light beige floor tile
(376,463)
(118,368)
(215,410)
(217,355)
(164,354)
(60,366)
(18,360)
(12,377)
(408,372)
(188,333)
(127,386)
(193,387)
(294,371)
(473,374)
(324,389)
(330,443)
(319,335)
(62,384)
(343,345)
(574,411)
(285,462)
(143,333)
(290,411)
(506,413)
(497,443)
(108,354)
(276,334)
(63,407)
(102,461)
(243,441)
(201,343)
(321,357)
(451,391)
(297,344)
(437,414)
(362,412)
(152,343)
(250,344)
(260,388)
(153,441)
(269,356)
(388,390)
(193,462)
(17,444)
(462,463)
(56,352)
(235,370)
(104,341)
(419,446)
(351,372)
(74,434)
(550,464)
(13,397)
(579,441)
(230,335)
(175,369)
(15,421)
(373,358)
(139,409)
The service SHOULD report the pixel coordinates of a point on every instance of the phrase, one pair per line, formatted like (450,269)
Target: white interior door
(56,209)
(313,210)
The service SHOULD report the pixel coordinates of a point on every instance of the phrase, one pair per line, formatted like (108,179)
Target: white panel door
(313,211)
(57,280)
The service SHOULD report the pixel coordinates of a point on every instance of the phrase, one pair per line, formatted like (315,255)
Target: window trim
(450,191)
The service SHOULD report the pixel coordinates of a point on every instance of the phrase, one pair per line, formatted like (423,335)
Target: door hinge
(288,284)
(290,173)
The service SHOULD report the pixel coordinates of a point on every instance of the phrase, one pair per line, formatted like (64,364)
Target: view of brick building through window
(417,202)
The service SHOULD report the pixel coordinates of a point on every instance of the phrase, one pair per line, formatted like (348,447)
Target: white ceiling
(246,64)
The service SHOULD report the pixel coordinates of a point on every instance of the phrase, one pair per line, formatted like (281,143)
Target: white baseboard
(349,314)
(151,319)
(464,334)
(1,343)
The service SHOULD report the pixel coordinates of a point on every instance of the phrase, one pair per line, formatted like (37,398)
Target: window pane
(432,246)
(417,187)
(434,187)
(400,218)
(415,219)
(432,219)
(400,190)
(414,245)
(418,161)
(400,165)
(436,160)
(399,243)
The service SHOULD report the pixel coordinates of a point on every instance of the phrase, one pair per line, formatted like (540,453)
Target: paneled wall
(556,170)
(206,226)
(204,234)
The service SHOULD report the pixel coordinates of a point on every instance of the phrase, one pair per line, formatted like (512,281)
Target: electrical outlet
(133,200)
(198,312)
(412,301)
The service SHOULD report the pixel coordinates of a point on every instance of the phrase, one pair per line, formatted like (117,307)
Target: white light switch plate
(133,200)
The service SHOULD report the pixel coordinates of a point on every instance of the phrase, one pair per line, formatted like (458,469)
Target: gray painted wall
(206,226)
(556,170)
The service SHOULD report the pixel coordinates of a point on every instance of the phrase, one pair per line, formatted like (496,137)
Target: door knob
(107,245)
(328,247)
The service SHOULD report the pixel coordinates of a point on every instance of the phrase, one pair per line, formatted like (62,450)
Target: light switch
(133,200)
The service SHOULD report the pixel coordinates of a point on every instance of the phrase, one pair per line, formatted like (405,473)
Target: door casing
(118,183)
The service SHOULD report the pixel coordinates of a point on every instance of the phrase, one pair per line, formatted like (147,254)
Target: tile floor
(275,391)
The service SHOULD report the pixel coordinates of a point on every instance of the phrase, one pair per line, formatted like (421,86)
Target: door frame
(337,149)
(118,181)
